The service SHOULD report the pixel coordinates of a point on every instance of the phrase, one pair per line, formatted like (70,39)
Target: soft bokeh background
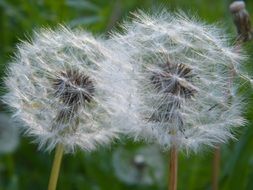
(117,167)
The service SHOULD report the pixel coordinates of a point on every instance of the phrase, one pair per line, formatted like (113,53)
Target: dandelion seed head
(58,86)
(184,89)
(143,166)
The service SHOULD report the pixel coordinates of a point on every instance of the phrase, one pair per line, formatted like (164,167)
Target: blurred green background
(26,168)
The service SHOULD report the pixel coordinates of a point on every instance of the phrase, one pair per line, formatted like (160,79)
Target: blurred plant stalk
(56,167)
(173,168)
(242,22)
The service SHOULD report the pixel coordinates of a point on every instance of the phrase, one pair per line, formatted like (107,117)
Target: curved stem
(56,167)
(173,167)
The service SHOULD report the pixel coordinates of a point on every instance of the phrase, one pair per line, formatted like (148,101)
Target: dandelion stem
(56,167)
(173,166)
(216,169)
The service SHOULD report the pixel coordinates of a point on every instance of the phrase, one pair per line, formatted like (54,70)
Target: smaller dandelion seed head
(143,166)
(58,86)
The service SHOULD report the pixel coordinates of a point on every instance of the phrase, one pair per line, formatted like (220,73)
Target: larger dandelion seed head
(58,87)
(183,71)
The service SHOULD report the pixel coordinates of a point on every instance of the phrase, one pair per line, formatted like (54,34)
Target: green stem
(56,167)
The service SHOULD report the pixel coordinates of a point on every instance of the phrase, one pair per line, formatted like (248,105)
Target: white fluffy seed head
(183,73)
(58,86)
(143,166)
